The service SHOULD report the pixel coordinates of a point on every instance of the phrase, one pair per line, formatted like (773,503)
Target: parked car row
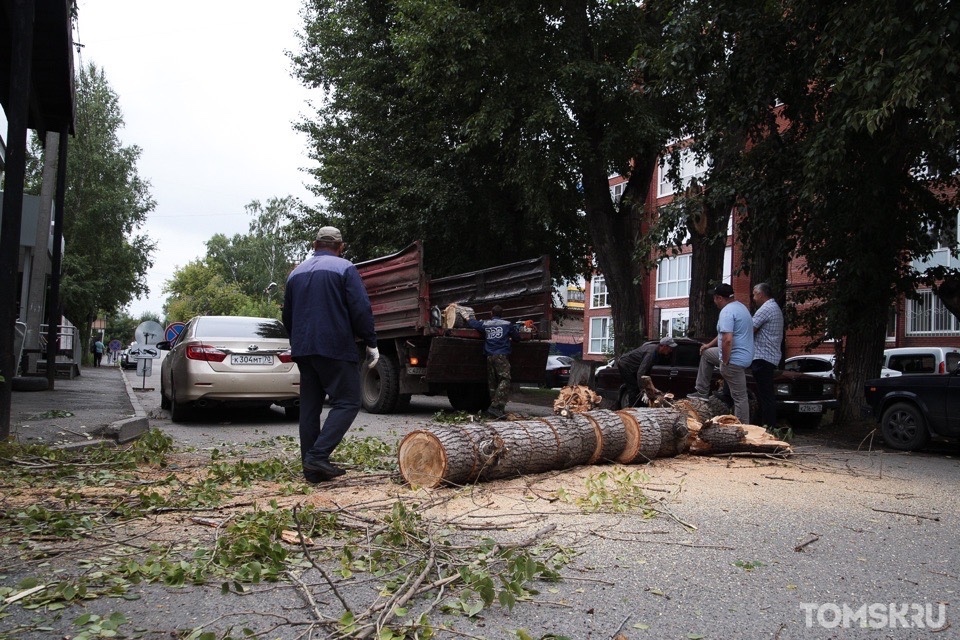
(824,366)
(896,362)
(558,371)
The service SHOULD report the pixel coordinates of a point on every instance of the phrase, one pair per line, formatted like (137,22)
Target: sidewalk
(98,406)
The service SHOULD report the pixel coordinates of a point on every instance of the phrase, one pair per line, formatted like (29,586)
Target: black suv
(801,399)
(911,408)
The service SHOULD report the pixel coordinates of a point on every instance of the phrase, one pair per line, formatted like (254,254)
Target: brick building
(922,322)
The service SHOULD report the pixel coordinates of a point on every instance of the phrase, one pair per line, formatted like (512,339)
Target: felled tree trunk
(459,454)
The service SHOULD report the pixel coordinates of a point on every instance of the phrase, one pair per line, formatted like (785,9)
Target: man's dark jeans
(321,377)
(763,372)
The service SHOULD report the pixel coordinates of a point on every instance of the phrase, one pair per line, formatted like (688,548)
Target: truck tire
(380,386)
(469,397)
(904,428)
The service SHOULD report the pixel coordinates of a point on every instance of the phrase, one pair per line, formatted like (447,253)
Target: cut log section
(650,430)
(611,435)
(576,440)
(451,454)
(724,434)
(576,399)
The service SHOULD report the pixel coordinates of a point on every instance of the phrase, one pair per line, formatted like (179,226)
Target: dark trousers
(97,358)
(320,377)
(766,396)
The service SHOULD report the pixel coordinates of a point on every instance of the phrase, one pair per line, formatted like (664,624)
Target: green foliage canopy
(486,129)
(106,259)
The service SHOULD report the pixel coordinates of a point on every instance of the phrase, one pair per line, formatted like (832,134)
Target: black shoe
(322,467)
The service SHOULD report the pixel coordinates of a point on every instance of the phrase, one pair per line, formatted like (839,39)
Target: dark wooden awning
(52,81)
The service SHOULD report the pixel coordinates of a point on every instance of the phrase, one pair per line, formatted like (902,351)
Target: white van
(912,360)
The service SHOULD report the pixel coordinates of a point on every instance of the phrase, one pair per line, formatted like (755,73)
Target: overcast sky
(206,93)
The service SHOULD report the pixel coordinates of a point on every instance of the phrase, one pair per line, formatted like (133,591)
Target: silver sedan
(229,361)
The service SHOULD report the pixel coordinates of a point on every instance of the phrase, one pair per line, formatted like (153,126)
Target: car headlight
(829,388)
(782,389)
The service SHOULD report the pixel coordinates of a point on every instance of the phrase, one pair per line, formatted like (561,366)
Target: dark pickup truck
(801,398)
(913,408)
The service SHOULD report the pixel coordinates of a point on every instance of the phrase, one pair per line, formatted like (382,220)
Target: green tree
(263,255)
(486,129)
(199,289)
(863,177)
(106,260)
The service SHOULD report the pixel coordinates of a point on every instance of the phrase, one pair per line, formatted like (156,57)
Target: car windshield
(564,360)
(244,328)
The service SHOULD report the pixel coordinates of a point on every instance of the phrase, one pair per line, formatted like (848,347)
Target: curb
(129,428)
(119,431)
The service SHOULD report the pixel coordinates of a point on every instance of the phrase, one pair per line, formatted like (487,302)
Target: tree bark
(459,454)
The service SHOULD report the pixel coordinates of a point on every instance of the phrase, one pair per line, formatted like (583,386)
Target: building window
(673,277)
(673,323)
(690,168)
(598,293)
(616,191)
(575,295)
(943,254)
(601,335)
(926,316)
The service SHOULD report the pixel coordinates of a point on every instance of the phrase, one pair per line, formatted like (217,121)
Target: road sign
(173,330)
(144,352)
(115,345)
(144,367)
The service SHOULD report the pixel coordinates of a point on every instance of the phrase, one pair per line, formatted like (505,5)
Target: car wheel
(805,421)
(179,411)
(380,386)
(904,428)
(164,400)
(292,413)
(624,400)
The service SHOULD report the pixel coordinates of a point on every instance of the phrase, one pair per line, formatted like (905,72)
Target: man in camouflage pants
(497,336)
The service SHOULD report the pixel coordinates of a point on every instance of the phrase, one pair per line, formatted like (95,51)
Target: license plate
(416,371)
(244,359)
(811,408)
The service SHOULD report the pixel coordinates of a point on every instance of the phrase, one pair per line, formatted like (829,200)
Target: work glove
(373,356)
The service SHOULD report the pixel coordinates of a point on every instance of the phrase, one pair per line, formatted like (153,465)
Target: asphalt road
(774,549)
(815,546)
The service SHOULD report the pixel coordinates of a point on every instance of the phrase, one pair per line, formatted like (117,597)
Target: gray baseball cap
(329,234)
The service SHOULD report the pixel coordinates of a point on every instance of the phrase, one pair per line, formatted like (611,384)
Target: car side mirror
(163,346)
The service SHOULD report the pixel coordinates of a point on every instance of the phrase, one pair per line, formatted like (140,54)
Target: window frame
(602,335)
(599,299)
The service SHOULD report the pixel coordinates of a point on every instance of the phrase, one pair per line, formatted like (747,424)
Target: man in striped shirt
(767,338)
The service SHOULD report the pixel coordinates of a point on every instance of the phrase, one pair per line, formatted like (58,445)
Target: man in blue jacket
(325,310)
(497,336)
